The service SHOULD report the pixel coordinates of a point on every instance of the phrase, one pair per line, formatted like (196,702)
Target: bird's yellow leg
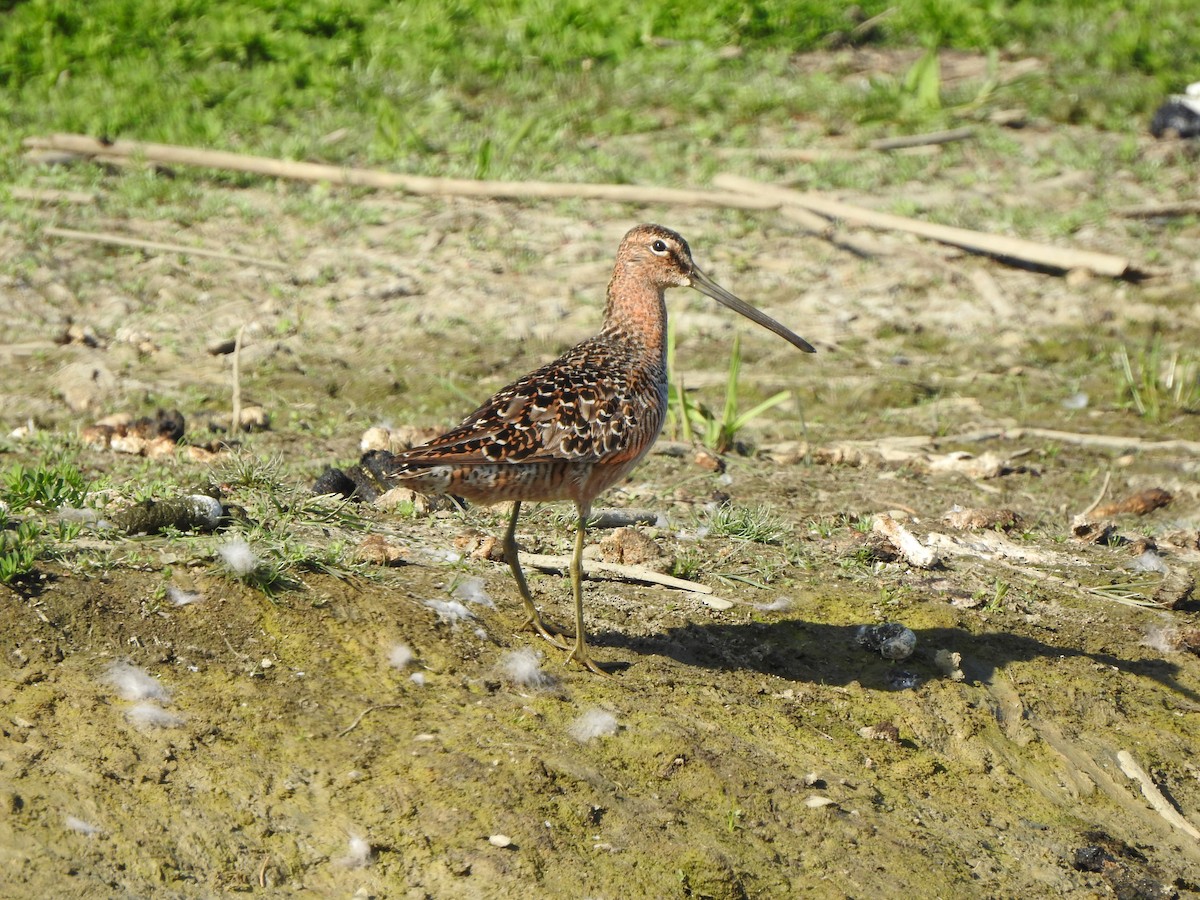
(579,652)
(534,620)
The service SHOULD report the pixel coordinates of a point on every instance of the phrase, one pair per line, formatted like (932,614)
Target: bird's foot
(552,633)
(579,653)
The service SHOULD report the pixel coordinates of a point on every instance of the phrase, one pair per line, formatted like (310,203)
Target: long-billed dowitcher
(578,425)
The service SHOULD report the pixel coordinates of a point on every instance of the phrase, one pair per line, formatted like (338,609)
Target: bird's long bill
(707,286)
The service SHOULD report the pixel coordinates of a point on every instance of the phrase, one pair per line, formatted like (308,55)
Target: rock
(950,664)
(709,461)
(479,545)
(377,549)
(884,731)
(1138,504)
(1179,115)
(396,440)
(630,547)
(1175,589)
(890,640)
(84,385)
(154,437)
(402,495)
(1094,532)
(983,519)
(254,418)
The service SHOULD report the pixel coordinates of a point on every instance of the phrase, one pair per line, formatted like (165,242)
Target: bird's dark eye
(659,247)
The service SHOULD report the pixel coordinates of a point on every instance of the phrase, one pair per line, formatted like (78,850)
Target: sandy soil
(759,750)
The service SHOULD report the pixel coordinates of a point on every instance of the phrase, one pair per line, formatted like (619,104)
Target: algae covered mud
(340,712)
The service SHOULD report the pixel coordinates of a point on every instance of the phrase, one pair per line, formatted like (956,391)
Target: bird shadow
(803,651)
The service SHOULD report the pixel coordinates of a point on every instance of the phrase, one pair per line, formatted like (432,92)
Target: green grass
(757,524)
(689,419)
(37,491)
(526,88)
(43,487)
(1156,382)
(20,548)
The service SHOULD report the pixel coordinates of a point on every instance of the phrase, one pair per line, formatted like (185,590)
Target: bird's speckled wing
(583,406)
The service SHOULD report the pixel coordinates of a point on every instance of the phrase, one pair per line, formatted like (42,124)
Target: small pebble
(891,640)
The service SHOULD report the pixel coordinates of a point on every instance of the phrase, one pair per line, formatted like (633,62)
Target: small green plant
(1000,592)
(1157,384)
(691,420)
(286,531)
(247,470)
(757,524)
(733,821)
(921,90)
(688,564)
(19,549)
(44,487)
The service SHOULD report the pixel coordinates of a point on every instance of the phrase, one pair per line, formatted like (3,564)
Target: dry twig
(1104,441)
(547,563)
(922,140)
(1161,210)
(1000,246)
(374,178)
(362,715)
(1154,796)
(913,551)
(235,421)
(788,154)
(52,195)
(155,246)
(1099,497)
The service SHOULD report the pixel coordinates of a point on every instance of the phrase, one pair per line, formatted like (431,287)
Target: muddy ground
(759,750)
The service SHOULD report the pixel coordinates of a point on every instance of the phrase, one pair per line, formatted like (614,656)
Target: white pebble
(239,558)
(206,511)
(593,724)
(417,678)
(500,840)
(899,646)
(132,683)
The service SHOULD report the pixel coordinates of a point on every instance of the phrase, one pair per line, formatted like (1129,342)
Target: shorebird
(578,425)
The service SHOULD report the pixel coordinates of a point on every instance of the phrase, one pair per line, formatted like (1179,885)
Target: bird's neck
(637,315)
